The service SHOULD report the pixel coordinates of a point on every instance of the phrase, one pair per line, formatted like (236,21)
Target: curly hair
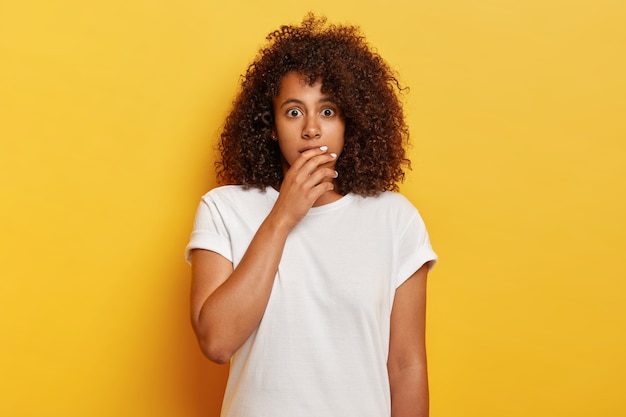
(359,81)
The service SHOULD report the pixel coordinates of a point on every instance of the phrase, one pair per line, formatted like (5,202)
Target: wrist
(278,225)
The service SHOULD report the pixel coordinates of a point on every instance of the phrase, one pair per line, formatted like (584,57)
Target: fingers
(314,167)
(311,159)
(322,174)
(310,176)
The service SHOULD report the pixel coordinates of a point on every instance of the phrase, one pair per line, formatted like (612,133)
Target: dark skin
(227,303)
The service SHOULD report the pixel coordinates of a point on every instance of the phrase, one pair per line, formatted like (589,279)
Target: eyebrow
(296,101)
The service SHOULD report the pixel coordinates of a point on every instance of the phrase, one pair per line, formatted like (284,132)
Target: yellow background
(108,116)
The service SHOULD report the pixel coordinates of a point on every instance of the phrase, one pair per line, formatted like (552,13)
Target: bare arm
(227,304)
(408,376)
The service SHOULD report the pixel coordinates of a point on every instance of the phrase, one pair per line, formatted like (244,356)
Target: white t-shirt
(321,348)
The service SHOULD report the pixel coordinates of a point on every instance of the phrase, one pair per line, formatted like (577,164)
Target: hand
(310,176)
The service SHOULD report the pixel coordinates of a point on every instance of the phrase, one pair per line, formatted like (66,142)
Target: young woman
(308,268)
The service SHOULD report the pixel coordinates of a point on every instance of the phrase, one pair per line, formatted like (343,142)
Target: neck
(327,198)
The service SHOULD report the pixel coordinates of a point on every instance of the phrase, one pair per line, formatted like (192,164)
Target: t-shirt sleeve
(414,250)
(209,231)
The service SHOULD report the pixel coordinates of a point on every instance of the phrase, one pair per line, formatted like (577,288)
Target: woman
(308,268)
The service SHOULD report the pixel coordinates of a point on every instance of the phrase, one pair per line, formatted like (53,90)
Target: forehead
(295,83)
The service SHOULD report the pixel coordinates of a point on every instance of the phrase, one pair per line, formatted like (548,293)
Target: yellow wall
(108,114)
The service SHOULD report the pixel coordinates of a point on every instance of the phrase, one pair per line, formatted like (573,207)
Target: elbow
(217,357)
(216,348)
(215,352)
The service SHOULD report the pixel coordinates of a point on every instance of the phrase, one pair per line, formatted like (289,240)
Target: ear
(274,136)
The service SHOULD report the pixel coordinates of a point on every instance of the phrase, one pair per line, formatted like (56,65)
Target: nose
(311,129)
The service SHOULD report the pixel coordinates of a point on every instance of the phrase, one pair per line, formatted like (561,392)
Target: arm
(227,304)
(407,351)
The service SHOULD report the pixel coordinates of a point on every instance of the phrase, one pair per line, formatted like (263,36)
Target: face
(305,118)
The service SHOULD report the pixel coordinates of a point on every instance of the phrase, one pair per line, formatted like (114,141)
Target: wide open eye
(294,112)
(328,112)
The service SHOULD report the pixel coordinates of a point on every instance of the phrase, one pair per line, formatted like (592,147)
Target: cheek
(287,132)
(288,153)
(341,139)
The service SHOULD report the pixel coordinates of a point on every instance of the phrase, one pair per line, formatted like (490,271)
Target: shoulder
(223,192)
(390,210)
(230,198)
(235,193)
(388,201)
(395,199)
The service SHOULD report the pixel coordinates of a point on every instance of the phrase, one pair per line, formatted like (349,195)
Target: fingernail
(324,148)
(336,174)
(334,155)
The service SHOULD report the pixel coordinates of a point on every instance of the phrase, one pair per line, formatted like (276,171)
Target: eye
(294,112)
(328,112)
